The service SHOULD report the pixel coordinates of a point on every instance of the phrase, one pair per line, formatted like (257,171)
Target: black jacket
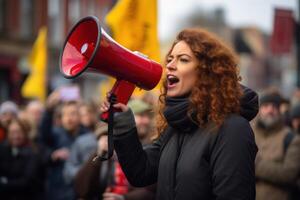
(201,164)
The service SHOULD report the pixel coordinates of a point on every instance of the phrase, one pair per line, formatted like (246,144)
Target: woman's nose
(171,65)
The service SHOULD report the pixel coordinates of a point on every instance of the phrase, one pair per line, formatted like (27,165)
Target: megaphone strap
(110,150)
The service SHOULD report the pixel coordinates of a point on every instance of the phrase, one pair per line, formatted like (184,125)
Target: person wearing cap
(278,159)
(8,111)
(143,118)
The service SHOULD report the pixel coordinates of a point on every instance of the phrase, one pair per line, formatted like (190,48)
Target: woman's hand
(119,106)
(123,117)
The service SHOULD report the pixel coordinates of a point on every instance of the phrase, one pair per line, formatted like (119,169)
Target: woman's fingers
(106,104)
(104,107)
(121,107)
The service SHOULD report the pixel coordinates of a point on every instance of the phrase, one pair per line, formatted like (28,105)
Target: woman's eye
(184,60)
(169,60)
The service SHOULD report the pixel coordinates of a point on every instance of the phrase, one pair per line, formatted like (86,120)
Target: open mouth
(172,80)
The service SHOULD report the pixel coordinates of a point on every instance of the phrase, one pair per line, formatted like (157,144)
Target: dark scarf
(176,114)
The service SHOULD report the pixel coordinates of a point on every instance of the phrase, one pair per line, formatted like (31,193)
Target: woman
(205,149)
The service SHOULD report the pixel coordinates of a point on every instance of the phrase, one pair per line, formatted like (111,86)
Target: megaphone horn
(89,47)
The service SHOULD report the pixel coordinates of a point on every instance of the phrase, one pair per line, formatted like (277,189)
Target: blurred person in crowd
(33,112)
(295,118)
(19,178)
(8,111)
(142,112)
(205,148)
(59,139)
(106,180)
(150,98)
(278,159)
(88,116)
(84,145)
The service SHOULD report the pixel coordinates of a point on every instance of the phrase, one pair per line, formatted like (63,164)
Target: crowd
(277,135)
(47,150)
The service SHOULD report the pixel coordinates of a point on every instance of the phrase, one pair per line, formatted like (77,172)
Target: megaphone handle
(122,90)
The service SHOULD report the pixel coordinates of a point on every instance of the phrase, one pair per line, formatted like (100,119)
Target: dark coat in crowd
(189,162)
(19,178)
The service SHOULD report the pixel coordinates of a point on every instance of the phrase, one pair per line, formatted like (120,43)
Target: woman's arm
(139,165)
(232,160)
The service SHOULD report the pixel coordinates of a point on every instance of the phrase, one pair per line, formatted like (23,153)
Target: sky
(237,12)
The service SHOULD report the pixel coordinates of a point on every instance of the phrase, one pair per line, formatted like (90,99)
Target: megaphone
(89,48)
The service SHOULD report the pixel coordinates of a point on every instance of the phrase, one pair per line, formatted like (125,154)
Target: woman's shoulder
(236,134)
(236,121)
(236,126)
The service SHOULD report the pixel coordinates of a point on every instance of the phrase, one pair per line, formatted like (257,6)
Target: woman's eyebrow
(183,54)
(179,55)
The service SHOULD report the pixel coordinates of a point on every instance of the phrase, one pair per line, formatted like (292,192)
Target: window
(26,19)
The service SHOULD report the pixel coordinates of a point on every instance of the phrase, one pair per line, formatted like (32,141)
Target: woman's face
(181,70)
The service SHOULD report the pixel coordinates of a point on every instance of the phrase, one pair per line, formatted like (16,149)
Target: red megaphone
(89,47)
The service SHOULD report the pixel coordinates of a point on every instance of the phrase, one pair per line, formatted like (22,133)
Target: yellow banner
(134,25)
(35,84)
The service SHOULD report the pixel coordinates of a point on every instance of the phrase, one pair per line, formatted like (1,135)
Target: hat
(8,106)
(273,98)
(138,106)
(295,111)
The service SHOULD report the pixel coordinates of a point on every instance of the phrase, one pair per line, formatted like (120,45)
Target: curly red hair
(217,93)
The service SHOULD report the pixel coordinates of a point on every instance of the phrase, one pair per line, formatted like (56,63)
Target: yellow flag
(35,85)
(134,25)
